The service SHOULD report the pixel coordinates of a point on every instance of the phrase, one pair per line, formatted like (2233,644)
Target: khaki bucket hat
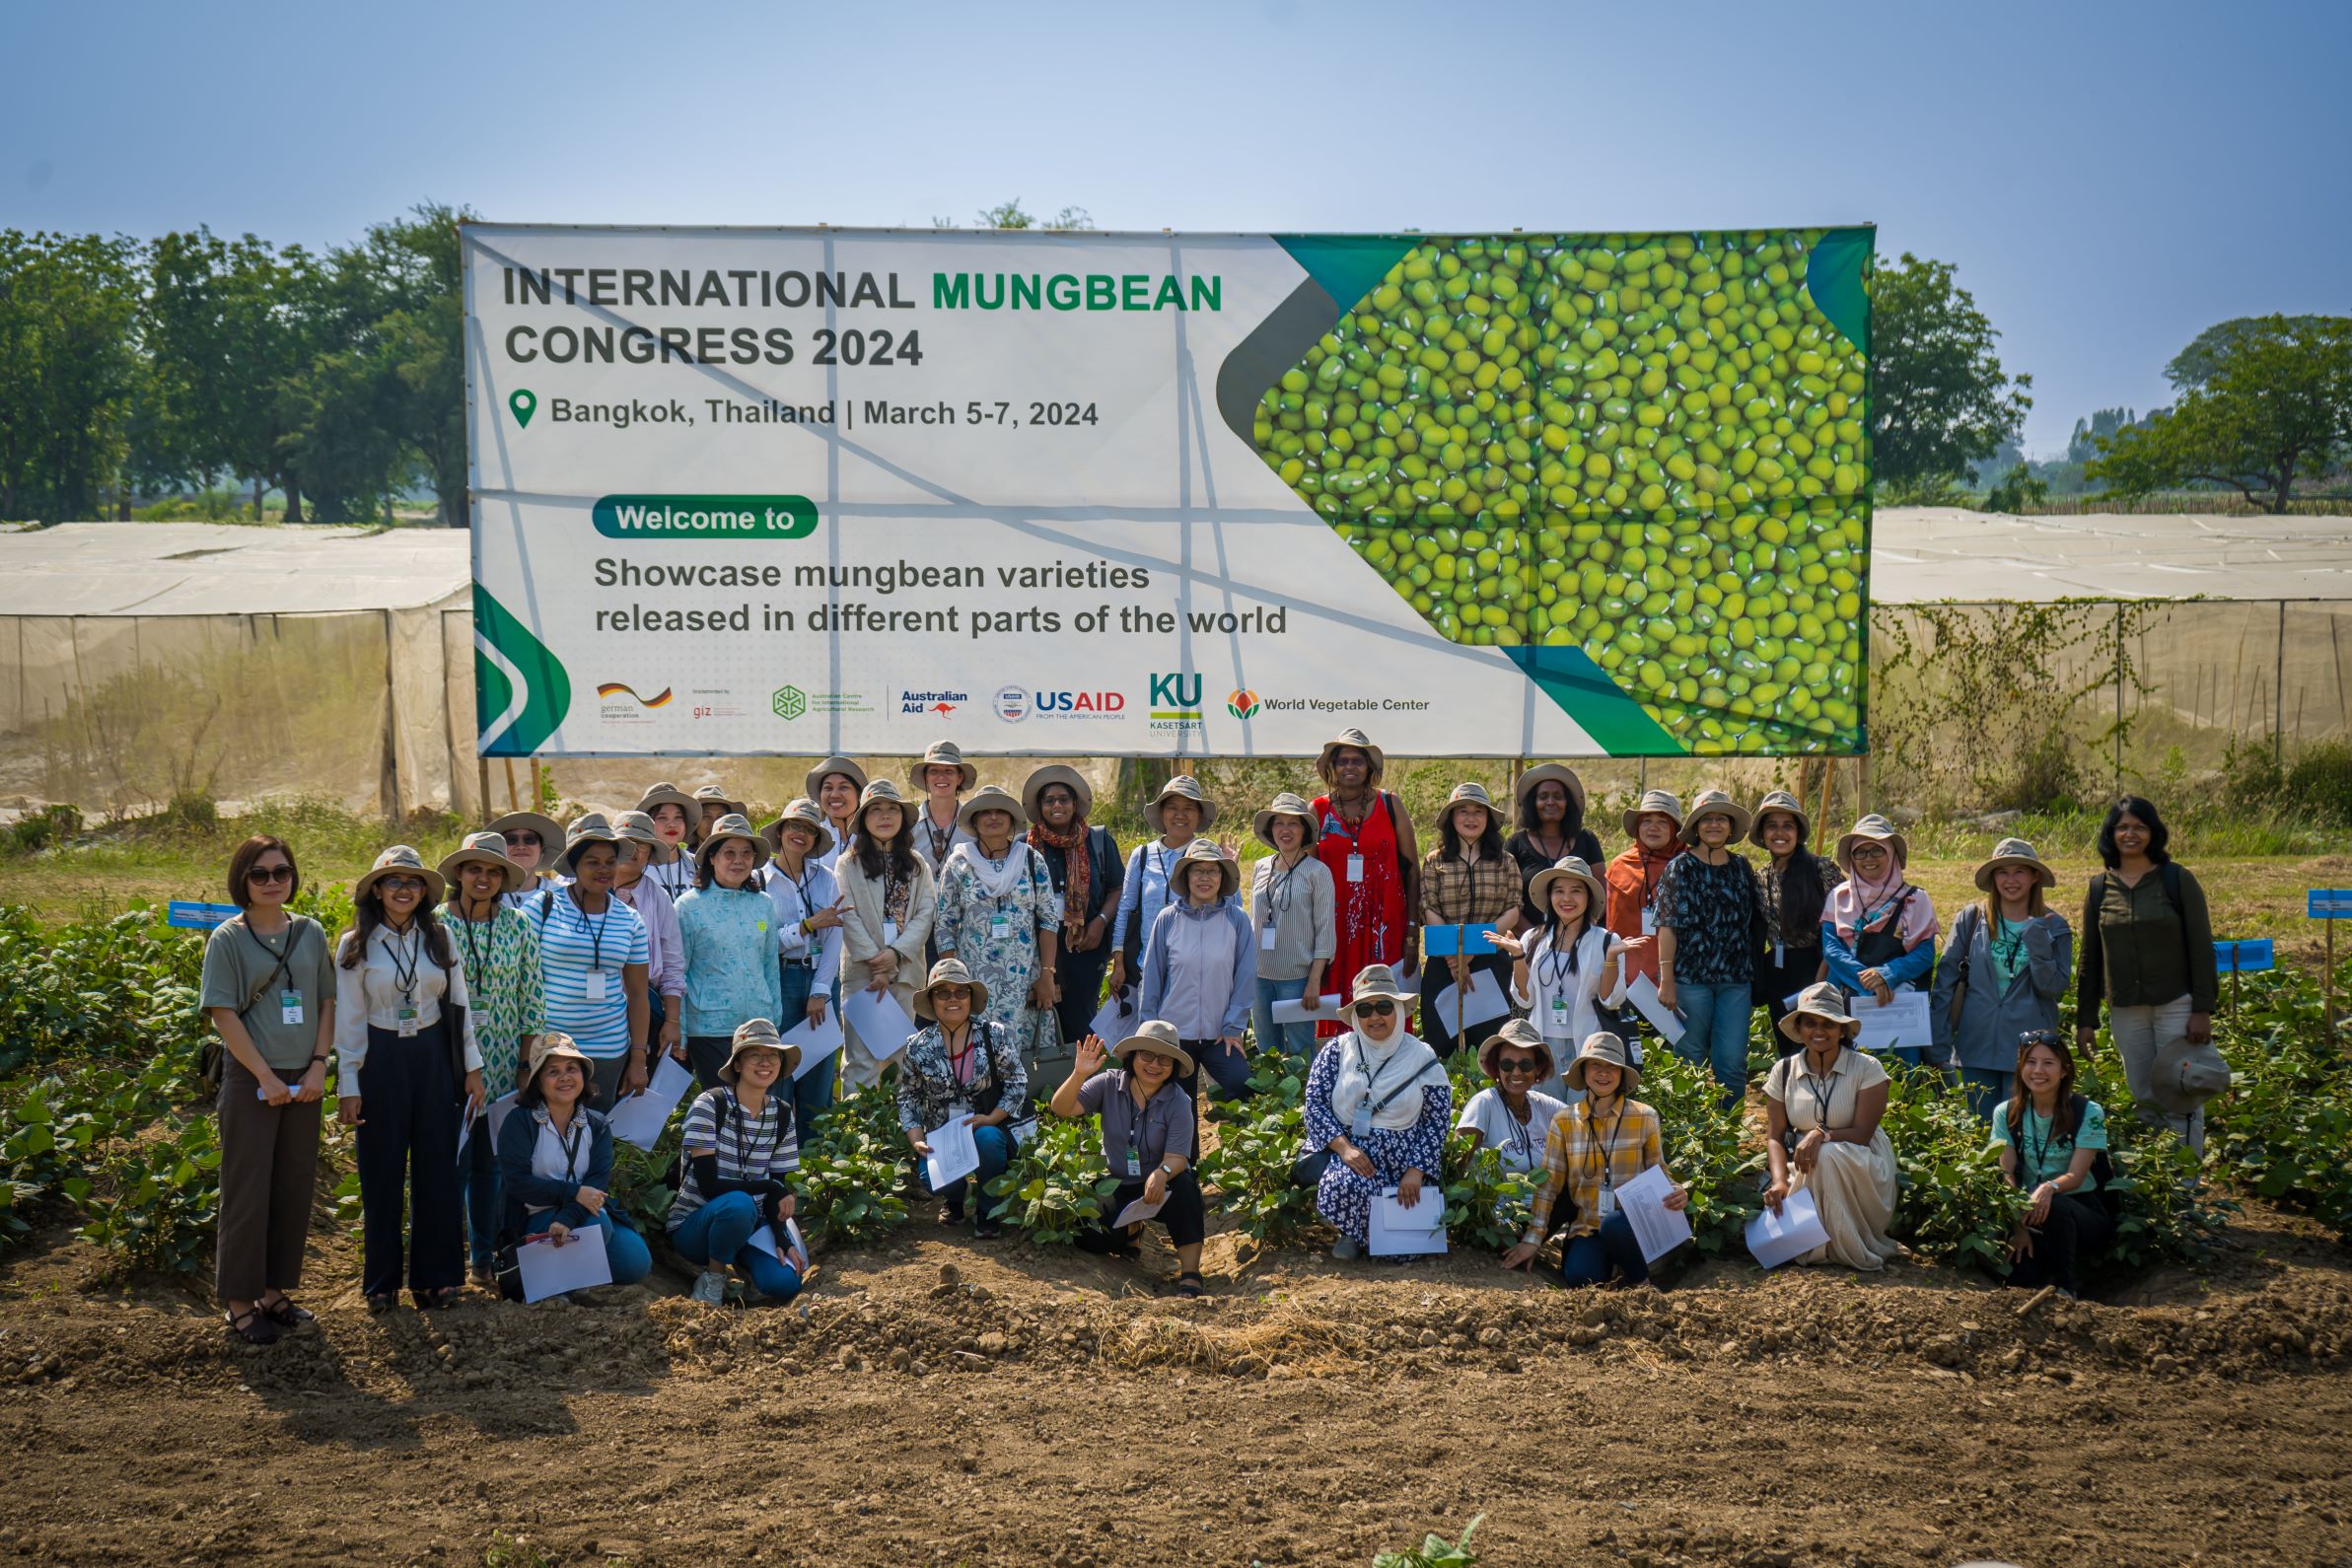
(1349,739)
(1285,804)
(1521,1033)
(1469,793)
(484,849)
(804,812)
(992,798)
(593,828)
(1606,1048)
(556,1044)
(756,1034)
(550,832)
(2014,852)
(1522,794)
(1377,982)
(1824,1000)
(1780,801)
(399,860)
(950,971)
(1568,868)
(1183,787)
(638,828)
(881,789)
(1156,1039)
(1662,802)
(731,826)
(1715,803)
(668,794)
(710,795)
(1067,777)
(813,784)
(1878,830)
(2187,1075)
(943,753)
(1202,851)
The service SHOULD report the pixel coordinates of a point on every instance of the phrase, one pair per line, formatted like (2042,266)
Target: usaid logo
(1011,704)
(1016,703)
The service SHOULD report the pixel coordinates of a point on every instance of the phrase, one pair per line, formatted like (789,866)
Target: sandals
(1189,1284)
(440,1300)
(253,1325)
(950,1214)
(381,1302)
(286,1314)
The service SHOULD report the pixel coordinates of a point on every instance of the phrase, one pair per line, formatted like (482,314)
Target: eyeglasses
(949,993)
(523,838)
(270,873)
(402,884)
(1517,1064)
(1375,1009)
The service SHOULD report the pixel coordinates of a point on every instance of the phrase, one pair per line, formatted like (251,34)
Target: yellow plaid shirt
(1577,1152)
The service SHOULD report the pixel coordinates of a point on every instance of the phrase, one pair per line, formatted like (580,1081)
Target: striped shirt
(748,1148)
(1625,1145)
(572,945)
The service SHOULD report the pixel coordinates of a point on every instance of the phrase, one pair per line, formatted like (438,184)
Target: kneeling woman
(1378,1101)
(555,1161)
(739,1146)
(962,1065)
(1147,1127)
(1597,1144)
(2050,1138)
(1822,1108)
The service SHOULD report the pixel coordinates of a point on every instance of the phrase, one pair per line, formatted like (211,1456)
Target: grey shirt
(1991,1019)
(1297,904)
(1134,1141)
(235,961)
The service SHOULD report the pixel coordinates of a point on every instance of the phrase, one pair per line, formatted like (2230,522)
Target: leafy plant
(1057,1184)
(1436,1551)
(1259,1139)
(1953,1203)
(1703,1145)
(851,1165)
(164,1198)
(2282,1128)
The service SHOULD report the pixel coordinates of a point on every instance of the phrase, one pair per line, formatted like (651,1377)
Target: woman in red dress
(1367,840)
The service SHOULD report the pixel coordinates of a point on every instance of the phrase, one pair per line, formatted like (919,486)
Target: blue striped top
(570,944)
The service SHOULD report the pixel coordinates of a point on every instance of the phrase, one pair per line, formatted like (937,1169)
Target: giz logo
(1176,690)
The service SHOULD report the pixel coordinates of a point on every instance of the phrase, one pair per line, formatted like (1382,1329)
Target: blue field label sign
(2330,904)
(2250,956)
(193,915)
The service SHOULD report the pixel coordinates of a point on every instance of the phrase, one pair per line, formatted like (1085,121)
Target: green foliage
(68,371)
(1485,1205)
(850,1168)
(2019,490)
(1955,1203)
(1702,1146)
(1939,398)
(38,830)
(1436,1551)
(117,990)
(2283,1128)
(2319,781)
(1056,1185)
(1259,1139)
(162,1198)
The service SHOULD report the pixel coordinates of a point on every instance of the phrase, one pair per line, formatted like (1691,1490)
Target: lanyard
(1556,964)
(1278,886)
(473,953)
(940,836)
(403,975)
(2041,1148)
(960,1065)
(1523,1133)
(1608,1146)
(596,933)
(745,1141)
(570,1144)
(1822,1091)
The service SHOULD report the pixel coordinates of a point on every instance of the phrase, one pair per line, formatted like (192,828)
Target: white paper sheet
(500,1109)
(1486,1003)
(640,1119)
(1400,1231)
(1295,1011)
(1775,1238)
(881,1023)
(817,1041)
(795,1250)
(1643,994)
(1904,1020)
(953,1154)
(1115,1019)
(1137,1210)
(550,1271)
(464,1127)
(1659,1229)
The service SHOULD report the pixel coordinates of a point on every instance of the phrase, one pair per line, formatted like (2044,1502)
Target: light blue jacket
(1155,959)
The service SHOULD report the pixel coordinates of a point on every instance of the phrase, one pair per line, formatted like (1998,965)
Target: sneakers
(1346,1249)
(987,1230)
(710,1287)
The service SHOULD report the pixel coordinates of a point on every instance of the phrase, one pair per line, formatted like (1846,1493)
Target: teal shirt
(2042,1158)
(730,941)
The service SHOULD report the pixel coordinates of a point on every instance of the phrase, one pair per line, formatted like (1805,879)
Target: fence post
(2118,673)
(2278,694)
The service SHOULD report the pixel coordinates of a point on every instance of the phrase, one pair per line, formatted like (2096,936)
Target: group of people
(559,964)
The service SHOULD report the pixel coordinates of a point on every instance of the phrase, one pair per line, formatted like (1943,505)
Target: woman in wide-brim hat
(891,901)
(834,784)
(507,1003)
(962,1064)
(1566,966)
(1182,809)
(806,899)
(1083,863)
(712,802)
(728,927)
(1378,1102)
(1879,930)
(1291,908)
(675,814)
(1653,824)
(1603,1140)
(555,1161)
(1470,885)
(999,913)
(639,847)
(1351,738)
(1148,1123)
(1547,825)
(1822,1109)
(2008,961)
(1200,968)
(740,1147)
(1710,906)
(596,961)
(1796,884)
(535,843)
(940,778)
(1365,837)
(1511,1115)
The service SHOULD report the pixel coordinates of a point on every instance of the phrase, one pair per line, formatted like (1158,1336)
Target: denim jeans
(1715,1033)
(996,1152)
(1591,1259)
(1292,1040)
(812,1091)
(1989,1087)
(720,1232)
(482,1186)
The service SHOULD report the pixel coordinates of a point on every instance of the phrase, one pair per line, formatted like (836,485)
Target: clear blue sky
(2109,178)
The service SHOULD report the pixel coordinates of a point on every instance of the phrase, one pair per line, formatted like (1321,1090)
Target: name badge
(1266,939)
(597,991)
(1607,1204)
(1779,956)
(1000,926)
(405,1021)
(1559,1016)
(1355,867)
(1360,1127)
(1648,920)
(289,1007)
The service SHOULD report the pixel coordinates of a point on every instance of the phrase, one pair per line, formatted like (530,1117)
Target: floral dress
(1344,1198)
(501,960)
(995,933)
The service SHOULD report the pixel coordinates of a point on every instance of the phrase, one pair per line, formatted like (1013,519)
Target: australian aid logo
(1175,701)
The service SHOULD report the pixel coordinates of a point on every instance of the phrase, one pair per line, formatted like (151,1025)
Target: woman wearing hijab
(1548,820)
(674,815)
(1600,1142)
(999,913)
(1378,1103)
(1822,1112)
(885,929)
(835,784)
(1291,900)
(1182,809)
(1564,966)
(1083,862)
(1365,837)
(1796,884)
(1878,931)
(500,955)
(2006,964)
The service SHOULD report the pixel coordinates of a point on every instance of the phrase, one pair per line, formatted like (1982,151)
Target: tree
(2274,403)
(2103,424)
(1010,215)
(1941,401)
(67,370)
(2194,365)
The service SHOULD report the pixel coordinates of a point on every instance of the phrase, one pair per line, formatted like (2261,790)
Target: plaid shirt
(1475,895)
(1573,1157)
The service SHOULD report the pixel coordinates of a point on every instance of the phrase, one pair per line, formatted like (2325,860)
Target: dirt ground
(933,1400)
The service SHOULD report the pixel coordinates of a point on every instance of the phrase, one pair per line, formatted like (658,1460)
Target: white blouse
(370,994)
(1565,1006)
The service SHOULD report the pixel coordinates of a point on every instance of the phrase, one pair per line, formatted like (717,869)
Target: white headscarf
(1370,1068)
(994,882)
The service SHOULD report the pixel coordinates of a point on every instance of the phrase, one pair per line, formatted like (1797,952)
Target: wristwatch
(1163,1171)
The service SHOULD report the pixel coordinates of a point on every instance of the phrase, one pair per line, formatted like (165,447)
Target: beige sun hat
(990,797)
(1469,792)
(668,794)
(1379,981)
(1522,794)
(1351,738)
(1602,1046)
(638,828)
(1878,830)
(813,784)
(1715,803)
(884,790)
(1285,804)
(1229,869)
(595,828)
(804,812)
(950,971)
(1183,787)
(2187,1075)
(716,795)
(1662,802)
(550,832)
(758,1035)
(1780,801)
(731,826)
(942,753)
(1565,868)
(2014,852)
(399,859)
(1521,1033)
(552,1044)
(1821,999)
(484,849)
(1158,1039)
(1056,773)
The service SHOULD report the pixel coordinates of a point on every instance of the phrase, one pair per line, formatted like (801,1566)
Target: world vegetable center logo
(1242,704)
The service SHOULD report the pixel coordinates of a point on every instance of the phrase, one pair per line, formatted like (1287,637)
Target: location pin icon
(524,404)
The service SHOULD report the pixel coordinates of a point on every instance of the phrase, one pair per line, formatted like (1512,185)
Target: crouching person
(555,1161)
(1599,1144)
(740,1147)
(1147,1125)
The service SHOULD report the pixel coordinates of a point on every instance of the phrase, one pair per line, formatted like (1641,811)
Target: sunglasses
(270,873)
(1375,1009)
(402,884)
(525,837)
(1517,1064)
